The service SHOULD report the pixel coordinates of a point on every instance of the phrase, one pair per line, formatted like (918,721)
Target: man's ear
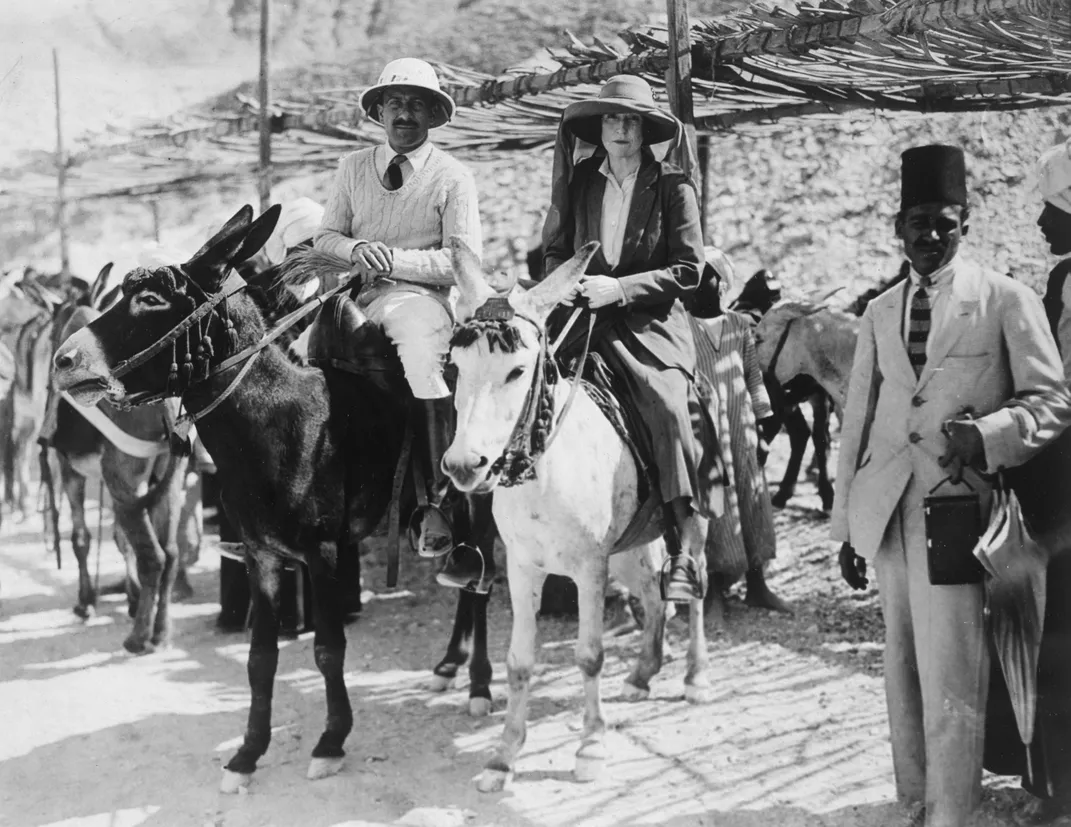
(964,221)
(898,225)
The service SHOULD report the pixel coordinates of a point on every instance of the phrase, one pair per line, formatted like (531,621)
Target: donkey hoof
(492,781)
(479,707)
(136,646)
(590,763)
(235,782)
(441,683)
(631,692)
(323,768)
(85,611)
(698,694)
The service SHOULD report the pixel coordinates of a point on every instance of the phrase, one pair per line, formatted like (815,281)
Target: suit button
(917,401)
(914,436)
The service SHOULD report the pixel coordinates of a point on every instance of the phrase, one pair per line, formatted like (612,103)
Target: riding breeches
(420,327)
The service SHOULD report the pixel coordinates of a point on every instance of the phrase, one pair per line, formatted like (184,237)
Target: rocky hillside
(813,202)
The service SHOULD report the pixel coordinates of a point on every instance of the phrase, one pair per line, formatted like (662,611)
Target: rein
(247,355)
(772,369)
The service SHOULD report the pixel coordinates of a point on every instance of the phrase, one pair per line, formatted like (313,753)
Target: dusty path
(94,737)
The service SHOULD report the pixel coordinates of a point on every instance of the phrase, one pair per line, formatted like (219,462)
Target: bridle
(535,429)
(772,368)
(213,306)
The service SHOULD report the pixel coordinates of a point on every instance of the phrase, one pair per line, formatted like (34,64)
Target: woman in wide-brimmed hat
(645,215)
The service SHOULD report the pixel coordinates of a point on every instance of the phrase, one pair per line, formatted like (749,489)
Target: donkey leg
(480,665)
(821,440)
(525,590)
(329,647)
(644,565)
(74,486)
(798,435)
(131,582)
(591,598)
(264,570)
(167,530)
(150,558)
(697,688)
(457,650)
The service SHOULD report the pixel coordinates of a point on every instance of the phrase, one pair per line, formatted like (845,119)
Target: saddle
(343,338)
(599,383)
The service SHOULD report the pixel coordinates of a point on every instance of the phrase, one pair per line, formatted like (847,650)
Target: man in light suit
(955,372)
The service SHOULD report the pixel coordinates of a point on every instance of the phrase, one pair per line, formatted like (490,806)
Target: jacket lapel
(644,196)
(596,188)
(955,319)
(888,322)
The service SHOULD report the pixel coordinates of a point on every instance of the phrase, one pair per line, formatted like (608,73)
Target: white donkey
(567,519)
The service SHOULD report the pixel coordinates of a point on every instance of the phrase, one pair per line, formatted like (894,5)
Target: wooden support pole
(679,83)
(704,183)
(61,177)
(264,172)
(154,205)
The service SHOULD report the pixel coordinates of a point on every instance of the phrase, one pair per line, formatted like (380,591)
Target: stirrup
(663,579)
(413,531)
(481,585)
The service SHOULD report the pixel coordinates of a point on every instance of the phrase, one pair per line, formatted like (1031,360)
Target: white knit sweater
(434,203)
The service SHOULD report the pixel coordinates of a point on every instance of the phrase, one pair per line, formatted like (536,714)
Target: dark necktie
(919,326)
(394,172)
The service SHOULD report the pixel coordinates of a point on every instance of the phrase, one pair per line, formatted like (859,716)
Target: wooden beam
(61,176)
(704,182)
(679,84)
(897,21)
(264,170)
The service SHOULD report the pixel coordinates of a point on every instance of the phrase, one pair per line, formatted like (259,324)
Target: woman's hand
(601,291)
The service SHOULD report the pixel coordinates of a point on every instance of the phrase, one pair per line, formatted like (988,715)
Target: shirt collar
(604,168)
(416,158)
(941,277)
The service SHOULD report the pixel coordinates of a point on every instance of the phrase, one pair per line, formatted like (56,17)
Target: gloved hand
(601,291)
(852,568)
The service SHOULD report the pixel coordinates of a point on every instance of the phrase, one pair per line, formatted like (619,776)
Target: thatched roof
(752,69)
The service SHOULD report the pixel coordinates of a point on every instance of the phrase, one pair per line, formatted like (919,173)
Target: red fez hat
(930,174)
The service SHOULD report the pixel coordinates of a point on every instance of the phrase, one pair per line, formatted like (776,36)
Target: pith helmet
(413,73)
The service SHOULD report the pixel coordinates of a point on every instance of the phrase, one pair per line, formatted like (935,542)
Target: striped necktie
(393,178)
(919,326)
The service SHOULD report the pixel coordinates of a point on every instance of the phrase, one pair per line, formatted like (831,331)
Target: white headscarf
(1054,176)
(721,262)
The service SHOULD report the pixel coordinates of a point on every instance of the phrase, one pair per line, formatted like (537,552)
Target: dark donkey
(305,456)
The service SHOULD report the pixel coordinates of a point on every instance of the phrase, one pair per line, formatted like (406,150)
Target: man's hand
(769,427)
(852,568)
(965,447)
(601,291)
(372,259)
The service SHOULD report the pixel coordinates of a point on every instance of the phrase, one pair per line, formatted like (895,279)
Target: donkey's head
(136,337)
(498,347)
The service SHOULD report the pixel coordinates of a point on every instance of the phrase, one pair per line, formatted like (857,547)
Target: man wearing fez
(939,358)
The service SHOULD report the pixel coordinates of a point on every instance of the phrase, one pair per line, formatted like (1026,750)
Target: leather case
(953,528)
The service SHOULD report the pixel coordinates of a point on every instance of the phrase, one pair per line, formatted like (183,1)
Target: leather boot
(436,536)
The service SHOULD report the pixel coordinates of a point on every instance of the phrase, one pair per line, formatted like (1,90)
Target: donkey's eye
(150,300)
(515,374)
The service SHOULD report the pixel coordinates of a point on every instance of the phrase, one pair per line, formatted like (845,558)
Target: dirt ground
(93,737)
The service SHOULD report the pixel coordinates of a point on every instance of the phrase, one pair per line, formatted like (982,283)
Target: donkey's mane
(500,335)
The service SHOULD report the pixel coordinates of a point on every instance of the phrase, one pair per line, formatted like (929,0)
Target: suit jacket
(992,351)
(661,256)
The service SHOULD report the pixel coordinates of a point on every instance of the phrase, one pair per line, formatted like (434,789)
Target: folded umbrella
(1015,605)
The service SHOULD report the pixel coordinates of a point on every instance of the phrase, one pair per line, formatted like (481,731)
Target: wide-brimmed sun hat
(622,93)
(413,73)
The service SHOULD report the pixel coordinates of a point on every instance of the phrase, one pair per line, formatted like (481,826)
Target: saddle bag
(953,528)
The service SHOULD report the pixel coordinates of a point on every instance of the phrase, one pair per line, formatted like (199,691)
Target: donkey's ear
(550,292)
(468,272)
(239,221)
(99,283)
(258,234)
